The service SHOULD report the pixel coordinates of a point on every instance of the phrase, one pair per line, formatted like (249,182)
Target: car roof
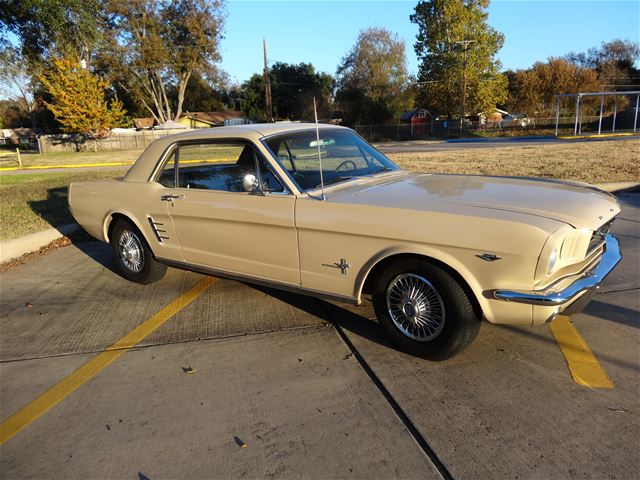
(147,161)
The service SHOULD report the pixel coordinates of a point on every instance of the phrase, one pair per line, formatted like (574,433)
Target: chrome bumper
(587,281)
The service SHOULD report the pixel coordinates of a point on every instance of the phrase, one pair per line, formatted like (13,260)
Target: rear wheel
(424,309)
(134,258)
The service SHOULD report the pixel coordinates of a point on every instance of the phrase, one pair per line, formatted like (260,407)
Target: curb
(617,186)
(16,247)
(595,136)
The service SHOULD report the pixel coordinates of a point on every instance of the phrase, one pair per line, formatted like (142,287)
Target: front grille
(597,239)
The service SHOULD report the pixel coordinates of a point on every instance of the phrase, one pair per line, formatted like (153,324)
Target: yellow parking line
(38,407)
(583,365)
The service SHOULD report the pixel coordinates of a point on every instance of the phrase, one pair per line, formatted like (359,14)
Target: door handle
(170,198)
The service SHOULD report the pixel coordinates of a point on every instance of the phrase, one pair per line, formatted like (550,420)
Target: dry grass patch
(591,162)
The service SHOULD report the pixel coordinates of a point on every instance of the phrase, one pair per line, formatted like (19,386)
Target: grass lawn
(57,158)
(33,202)
(592,162)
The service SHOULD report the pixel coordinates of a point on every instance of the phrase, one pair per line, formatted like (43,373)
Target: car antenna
(315,113)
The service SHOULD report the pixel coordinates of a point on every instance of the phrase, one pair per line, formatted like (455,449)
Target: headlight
(564,247)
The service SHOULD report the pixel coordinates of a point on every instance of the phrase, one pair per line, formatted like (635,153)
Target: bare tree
(153,47)
(17,83)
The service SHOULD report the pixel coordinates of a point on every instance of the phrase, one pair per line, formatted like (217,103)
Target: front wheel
(133,256)
(424,309)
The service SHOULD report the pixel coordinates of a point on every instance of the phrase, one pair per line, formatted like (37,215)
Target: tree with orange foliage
(79,100)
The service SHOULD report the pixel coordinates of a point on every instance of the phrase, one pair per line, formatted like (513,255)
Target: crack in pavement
(160,344)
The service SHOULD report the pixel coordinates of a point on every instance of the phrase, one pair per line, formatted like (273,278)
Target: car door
(222,226)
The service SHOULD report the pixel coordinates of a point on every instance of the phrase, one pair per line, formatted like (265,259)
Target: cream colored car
(437,253)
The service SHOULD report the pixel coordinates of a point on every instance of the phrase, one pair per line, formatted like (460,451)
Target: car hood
(580,205)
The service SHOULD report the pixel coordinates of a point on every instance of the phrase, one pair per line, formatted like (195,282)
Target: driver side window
(220,166)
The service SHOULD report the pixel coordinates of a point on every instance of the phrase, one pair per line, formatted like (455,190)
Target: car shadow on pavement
(333,314)
(538,333)
(613,313)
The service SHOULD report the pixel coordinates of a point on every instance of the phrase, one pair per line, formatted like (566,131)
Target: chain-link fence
(521,126)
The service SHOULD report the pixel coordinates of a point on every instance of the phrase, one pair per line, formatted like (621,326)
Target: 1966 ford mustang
(322,212)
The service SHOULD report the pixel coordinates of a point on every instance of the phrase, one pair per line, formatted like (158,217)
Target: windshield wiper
(383,169)
(335,180)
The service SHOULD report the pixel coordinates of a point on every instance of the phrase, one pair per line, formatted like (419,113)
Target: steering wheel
(347,162)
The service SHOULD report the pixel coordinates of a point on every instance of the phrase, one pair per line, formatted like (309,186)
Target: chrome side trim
(589,280)
(258,281)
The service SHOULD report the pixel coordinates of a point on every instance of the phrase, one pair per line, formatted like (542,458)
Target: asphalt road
(248,382)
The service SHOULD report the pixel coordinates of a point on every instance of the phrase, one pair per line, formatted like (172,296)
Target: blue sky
(322,32)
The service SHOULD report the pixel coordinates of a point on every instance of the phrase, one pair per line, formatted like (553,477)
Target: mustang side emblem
(489,257)
(343,265)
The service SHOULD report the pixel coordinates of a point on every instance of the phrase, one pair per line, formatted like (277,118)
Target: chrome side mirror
(250,184)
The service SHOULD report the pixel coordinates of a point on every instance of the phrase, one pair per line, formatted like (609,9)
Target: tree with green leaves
(153,47)
(79,100)
(372,79)
(293,88)
(46,27)
(457,52)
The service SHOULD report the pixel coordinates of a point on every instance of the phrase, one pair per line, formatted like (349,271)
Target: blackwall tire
(424,310)
(134,258)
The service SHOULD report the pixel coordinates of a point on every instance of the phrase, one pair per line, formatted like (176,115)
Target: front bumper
(586,281)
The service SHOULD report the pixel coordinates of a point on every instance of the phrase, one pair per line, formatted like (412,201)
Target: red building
(420,121)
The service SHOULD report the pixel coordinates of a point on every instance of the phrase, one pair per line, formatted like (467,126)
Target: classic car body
(521,250)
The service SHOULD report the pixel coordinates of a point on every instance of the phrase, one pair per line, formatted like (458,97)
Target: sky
(322,32)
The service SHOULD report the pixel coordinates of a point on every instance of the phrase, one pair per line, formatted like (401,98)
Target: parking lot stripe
(583,365)
(38,407)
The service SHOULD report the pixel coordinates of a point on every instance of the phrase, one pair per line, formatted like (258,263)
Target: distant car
(325,214)
(515,120)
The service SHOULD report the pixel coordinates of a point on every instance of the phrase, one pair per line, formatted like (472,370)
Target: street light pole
(465,44)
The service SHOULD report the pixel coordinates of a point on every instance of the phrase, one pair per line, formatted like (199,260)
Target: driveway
(197,377)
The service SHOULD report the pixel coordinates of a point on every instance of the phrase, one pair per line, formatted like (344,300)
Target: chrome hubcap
(415,307)
(131,251)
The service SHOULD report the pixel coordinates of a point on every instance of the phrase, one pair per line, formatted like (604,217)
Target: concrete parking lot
(239,381)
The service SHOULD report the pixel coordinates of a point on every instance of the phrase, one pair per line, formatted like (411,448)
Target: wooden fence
(131,141)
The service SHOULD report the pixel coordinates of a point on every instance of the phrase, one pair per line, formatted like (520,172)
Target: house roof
(145,122)
(170,125)
(212,117)
(411,113)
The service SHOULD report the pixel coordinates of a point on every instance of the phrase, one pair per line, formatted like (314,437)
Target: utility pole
(465,44)
(267,85)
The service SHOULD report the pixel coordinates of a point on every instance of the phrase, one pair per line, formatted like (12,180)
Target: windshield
(344,156)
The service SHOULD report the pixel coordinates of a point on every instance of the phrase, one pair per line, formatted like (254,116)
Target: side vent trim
(157,229)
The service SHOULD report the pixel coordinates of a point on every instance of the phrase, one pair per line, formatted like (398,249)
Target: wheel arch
(110,221)
(467,281)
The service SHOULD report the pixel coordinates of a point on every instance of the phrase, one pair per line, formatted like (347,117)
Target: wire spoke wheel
(415,307)
(131,251)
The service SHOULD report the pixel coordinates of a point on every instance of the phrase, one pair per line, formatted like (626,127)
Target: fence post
(615,112)
(575,127)
(601,109)
(18,152)
(557,115)
(635,118)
